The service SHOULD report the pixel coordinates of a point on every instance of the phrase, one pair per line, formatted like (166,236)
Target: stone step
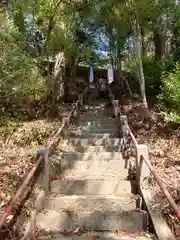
(94,165)
(98,135)
(96,132)
(95,141)
(89,156)
(96,118)
(51,220)
(91,203)
(97,123)
(87,116)
(105,172)
(83,135)
(92,235)
(96,129)
(89,148)
(90,187)
(100,131)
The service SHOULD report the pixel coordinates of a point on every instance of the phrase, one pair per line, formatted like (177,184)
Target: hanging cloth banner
(110,74)
(91,77)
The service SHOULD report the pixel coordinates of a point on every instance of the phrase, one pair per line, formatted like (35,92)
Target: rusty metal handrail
(163,188)
(131,134)
(157,177)
(19,192)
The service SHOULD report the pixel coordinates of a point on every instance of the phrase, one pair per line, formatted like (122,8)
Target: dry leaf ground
(19,143)
(163,141)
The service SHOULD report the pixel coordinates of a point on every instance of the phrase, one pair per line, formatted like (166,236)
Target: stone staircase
(93,194)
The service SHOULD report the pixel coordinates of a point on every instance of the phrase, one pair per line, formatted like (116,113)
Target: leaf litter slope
(163,142)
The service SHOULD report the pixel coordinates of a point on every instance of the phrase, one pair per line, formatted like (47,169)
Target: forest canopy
(140,39)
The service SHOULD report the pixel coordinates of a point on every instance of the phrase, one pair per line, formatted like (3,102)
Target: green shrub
(169,97)
(152,74)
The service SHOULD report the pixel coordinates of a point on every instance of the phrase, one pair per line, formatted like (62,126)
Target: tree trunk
(158,43)
(138,47)
(58,80)
(163,32)
(119,71)
(143,42)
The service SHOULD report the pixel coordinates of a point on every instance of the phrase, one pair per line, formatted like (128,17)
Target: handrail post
(80,100)
(142,169)
(116,108)
(66,121)
(46,172)
(124,130)
(46,168)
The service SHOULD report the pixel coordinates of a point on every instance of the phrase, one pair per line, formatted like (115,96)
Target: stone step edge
(77,138)
(87,235)
(98,154)
(61,177)
(125,220)
(91,196)
(66,187)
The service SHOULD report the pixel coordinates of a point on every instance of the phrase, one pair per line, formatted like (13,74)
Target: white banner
(91,77)
(110,74)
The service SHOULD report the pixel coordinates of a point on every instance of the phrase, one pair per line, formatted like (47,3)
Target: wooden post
(142,169)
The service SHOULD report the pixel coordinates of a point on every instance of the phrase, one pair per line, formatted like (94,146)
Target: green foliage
(170,94)
(19,75)
(8,125)
(152,73)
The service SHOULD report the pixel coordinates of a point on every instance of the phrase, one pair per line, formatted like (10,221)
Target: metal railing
(42,158)
(143,167)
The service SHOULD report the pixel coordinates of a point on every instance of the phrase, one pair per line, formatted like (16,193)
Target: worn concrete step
(90,165)
(51,220)
(92,235)
(90,148)
(96,117)
(93,166)
(96,132)
(98,135)
(100,131)
(94,141)
(97,123)
(96,129)
(104,119)
(88,156)
(91,187)
(91,203)
(101,174)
